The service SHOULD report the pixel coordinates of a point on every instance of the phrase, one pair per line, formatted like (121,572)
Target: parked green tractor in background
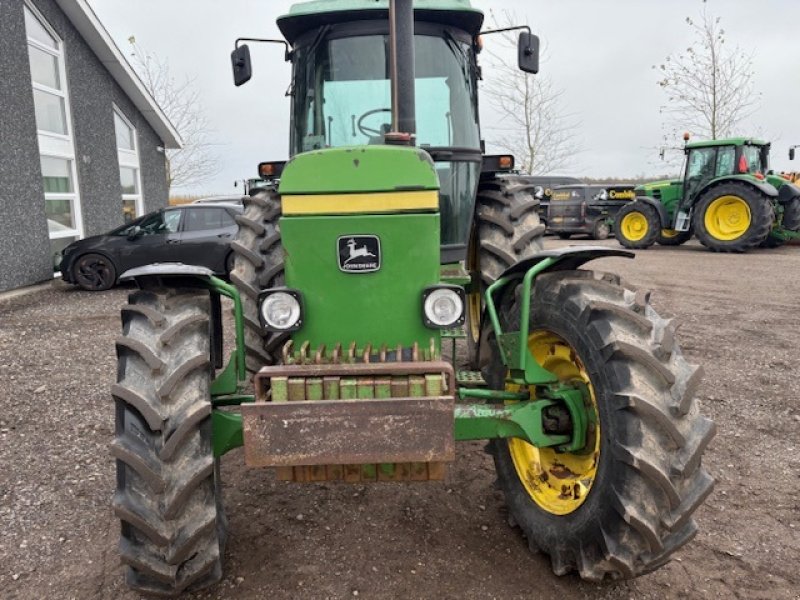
(389,231)
(728,198)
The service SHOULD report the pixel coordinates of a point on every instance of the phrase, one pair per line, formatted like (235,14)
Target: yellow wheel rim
(727,218)
(558,483)
(670,233)
(634,226)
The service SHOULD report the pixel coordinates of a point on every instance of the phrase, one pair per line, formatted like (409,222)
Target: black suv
(587,209)
(195,234)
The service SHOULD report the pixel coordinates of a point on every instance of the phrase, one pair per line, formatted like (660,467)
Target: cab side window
(726,158)
(701,163)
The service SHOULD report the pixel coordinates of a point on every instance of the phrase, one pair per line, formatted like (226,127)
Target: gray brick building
(81,140)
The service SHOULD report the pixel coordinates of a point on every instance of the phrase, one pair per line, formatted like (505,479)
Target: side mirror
(528,52)
(134,233)
(242,66)
(791,153)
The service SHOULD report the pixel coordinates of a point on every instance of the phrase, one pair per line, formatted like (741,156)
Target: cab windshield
(342,93)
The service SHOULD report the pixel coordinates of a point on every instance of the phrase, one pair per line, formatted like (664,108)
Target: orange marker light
(506,162)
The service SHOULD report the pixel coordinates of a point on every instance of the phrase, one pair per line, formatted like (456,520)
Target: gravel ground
(448,540)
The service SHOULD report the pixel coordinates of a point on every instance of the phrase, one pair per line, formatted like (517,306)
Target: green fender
(762,186)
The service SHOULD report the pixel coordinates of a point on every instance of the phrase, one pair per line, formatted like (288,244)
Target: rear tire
(259,265)
(168,496)
(508,230)
(772,241)
(733,217)
(791,215)
(563,235)
(648,481)
(637,225)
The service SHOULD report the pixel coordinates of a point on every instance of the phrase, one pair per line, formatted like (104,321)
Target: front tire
(168,495)
(671,237)
(94,272)
(620,509)
(733,217)
(637,225)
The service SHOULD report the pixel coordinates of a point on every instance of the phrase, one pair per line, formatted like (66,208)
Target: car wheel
(94,272)
(601,231)
(230,262)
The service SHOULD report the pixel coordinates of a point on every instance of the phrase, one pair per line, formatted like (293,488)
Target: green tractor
(728,198)
(390,234)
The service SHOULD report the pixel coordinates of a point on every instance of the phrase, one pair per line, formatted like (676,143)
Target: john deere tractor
(388,234)
(727,198)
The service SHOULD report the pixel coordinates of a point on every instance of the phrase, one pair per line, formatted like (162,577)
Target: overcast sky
(599,52)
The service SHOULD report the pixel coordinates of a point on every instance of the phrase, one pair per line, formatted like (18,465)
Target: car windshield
(342,93)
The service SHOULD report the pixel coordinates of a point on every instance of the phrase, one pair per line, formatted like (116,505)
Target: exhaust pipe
(401,61)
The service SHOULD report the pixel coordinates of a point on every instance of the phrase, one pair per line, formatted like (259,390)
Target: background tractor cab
(727,197)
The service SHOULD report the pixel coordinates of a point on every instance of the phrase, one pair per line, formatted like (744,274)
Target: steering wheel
(369,131)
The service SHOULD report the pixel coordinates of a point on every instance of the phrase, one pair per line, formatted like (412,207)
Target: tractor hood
(360,228)
(648,188)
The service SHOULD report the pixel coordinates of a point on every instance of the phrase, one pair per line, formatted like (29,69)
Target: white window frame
(54,145)
(130,159)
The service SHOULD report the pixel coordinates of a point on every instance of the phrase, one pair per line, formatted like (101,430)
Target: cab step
(470,379)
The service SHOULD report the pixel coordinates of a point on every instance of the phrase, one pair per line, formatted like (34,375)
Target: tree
(180,101)
(532,123)
(709,86)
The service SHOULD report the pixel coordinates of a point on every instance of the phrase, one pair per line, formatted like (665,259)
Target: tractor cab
(342,97)
(709,161)
(341,91)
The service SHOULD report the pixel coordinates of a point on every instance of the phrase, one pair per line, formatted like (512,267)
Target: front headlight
(281,310)
(443,306)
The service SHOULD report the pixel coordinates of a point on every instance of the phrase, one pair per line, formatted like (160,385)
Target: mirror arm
(505,29)
(287,54)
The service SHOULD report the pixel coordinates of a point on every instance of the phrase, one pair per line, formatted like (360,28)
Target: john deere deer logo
(359,253)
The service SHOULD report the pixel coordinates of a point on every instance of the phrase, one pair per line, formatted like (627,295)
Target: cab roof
(316,13)
(740,141)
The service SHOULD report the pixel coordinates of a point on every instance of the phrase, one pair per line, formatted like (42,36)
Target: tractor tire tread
(644,502)
(258,265)
(653,225)
(167,497)
(507,230)
(762,215)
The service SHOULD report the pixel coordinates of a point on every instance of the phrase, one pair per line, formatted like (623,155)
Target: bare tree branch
(532,124)
(180,101)
(709,86)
